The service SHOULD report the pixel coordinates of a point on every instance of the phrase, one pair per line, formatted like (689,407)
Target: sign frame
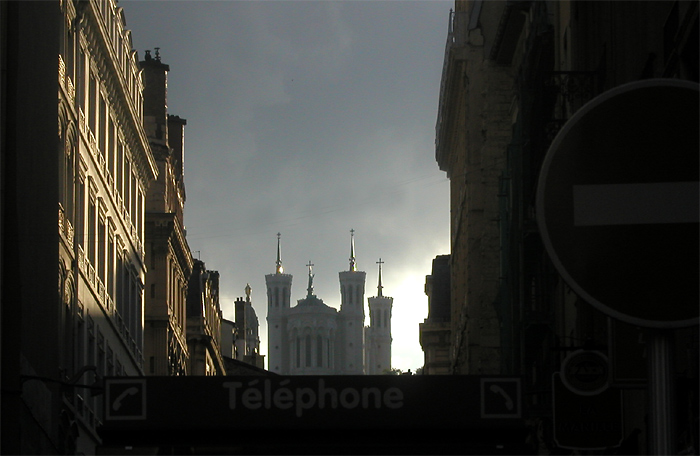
(586,405)
(551,183)
(580,356)
(370,402)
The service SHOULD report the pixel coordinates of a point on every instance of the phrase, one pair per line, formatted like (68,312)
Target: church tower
(349,352)
(279,287)
(378,333)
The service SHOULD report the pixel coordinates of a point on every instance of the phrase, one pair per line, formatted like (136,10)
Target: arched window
(307,350)
(319,351)
(331,348)
(277,297)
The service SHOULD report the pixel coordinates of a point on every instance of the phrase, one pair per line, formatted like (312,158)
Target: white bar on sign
(636,204)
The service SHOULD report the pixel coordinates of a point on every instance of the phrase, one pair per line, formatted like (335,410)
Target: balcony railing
(65,228)
(64,80)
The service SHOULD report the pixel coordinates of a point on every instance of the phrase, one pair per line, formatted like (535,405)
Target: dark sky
(309,118)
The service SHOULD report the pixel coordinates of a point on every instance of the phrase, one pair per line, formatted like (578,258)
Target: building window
(328,353)
(102,127)
(80,80)
(133,198)
(119,285)
(139,214)
(101,245)
(91,229)
(127,184)
(66,179)
(307,350)
(80,212)
(110,260)
(92,107)
(80,336)
(111,146)
(110,361)
(120,169)
(319,351)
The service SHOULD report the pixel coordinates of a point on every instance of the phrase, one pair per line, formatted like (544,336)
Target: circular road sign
(618,203)
(586,372)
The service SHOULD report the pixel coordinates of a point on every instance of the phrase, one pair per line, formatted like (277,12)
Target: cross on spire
(379,286)
(353,265)
(278,264)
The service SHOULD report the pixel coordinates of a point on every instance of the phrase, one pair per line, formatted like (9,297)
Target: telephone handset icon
(127,392)
(498,390)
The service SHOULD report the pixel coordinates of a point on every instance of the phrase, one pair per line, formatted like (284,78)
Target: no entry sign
(618,203)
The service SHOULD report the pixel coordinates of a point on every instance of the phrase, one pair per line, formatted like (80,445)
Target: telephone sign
(125,399)
(500,398)
(312,402)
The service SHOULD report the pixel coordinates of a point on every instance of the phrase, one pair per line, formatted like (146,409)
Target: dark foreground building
(514,73)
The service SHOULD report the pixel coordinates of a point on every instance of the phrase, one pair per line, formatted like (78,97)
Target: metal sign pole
(660,387)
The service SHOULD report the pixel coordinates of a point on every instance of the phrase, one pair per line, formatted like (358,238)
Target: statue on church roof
(310,288)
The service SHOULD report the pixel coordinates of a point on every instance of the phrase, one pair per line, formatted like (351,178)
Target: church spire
(353,265)
(278,268)
(379,286)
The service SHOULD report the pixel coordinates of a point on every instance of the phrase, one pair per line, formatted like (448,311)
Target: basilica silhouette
(313,338)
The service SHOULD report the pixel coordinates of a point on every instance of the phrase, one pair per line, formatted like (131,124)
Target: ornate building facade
(76,168)
(169,258)
(204,322)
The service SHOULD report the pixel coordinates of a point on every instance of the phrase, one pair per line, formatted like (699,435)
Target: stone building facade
(76,169)
(168,255)
(204,322)
(514,73)
(434,332)
(246,337)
